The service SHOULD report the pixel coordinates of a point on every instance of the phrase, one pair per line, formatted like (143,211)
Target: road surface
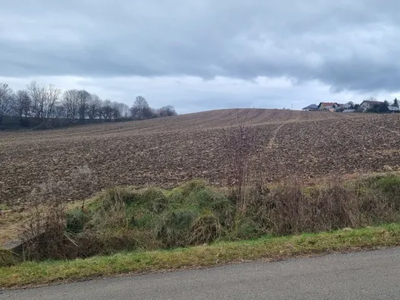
(363,275)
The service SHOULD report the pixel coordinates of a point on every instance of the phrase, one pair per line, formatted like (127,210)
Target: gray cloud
(346,45)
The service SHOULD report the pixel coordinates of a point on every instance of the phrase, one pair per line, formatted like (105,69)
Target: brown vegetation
(194,214)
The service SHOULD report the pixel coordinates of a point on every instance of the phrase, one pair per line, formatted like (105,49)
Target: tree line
(48,102)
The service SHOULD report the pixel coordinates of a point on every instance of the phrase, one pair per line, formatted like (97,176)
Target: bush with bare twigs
(240,142)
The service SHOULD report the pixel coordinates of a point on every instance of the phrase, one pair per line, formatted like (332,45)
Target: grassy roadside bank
(271,248)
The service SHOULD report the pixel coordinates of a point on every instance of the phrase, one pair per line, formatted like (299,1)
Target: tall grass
(43,232)
(195,213)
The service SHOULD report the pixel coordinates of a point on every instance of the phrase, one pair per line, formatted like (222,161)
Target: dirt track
(171,150)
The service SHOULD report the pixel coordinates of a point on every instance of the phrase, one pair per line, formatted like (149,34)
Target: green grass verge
(273,248)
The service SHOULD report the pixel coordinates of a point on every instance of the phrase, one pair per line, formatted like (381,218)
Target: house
(369,104)
(348,105)
(312,107)
(328,106)
(393,109)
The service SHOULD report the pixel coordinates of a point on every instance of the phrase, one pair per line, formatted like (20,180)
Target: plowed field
(167,151)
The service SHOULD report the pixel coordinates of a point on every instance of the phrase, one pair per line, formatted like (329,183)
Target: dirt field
(171,150)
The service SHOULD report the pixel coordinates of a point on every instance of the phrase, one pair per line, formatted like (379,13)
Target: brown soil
(171,150)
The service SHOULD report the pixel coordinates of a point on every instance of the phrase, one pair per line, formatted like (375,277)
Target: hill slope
(171,150)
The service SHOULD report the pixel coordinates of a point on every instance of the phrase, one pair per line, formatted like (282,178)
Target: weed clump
(6,258)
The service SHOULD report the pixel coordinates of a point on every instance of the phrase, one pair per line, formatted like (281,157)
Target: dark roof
(312,106)
(328,103)
(373,102)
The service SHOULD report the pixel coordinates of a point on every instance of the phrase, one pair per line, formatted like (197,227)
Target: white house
(369,104)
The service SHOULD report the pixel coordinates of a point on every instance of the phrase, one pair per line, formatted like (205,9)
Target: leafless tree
(60,112)
(94,107)
(38,94)
(116,114)
(141,109)
(83,100)
(71,104)
(44,102)
(107,110)
(121,110)
(21,104)
(52,95)
(6,94)
(125,110)
(166,111)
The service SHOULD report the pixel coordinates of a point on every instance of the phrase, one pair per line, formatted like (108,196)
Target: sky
(205,54)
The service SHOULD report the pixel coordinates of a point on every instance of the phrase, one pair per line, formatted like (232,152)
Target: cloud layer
(345,47)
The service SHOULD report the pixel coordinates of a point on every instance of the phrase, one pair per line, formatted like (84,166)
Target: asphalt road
(364,275)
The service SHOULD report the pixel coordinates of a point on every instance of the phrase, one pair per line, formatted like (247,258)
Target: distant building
(393,109)
(312,107)
(348,105)
(328,106)
(369,104)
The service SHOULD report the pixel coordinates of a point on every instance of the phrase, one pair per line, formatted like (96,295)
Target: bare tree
(71,104)
(122,108)
(94,107)
(52,95)
(107,110)
(166,111)
(141,109)
(21,104)
(6,94)
(44,102)
(38,94)
(116,114)
(59,111)
(83,100)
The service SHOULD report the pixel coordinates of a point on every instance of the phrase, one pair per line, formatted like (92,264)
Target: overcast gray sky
(206,54)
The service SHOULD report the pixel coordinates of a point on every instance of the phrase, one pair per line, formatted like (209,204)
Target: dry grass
(126,219)
(34,273)
(10,222)
(43,228)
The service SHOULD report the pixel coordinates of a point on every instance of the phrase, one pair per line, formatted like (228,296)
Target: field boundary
(220,253)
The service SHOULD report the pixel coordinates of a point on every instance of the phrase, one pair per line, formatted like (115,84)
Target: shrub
(154,200)
(390,186)
(173,227)
(6,258)
(192,186)
(247,229)
(76,220)
(205,229)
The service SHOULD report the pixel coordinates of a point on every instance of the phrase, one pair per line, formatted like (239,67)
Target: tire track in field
(380,127)
(272,142)
(387,129)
